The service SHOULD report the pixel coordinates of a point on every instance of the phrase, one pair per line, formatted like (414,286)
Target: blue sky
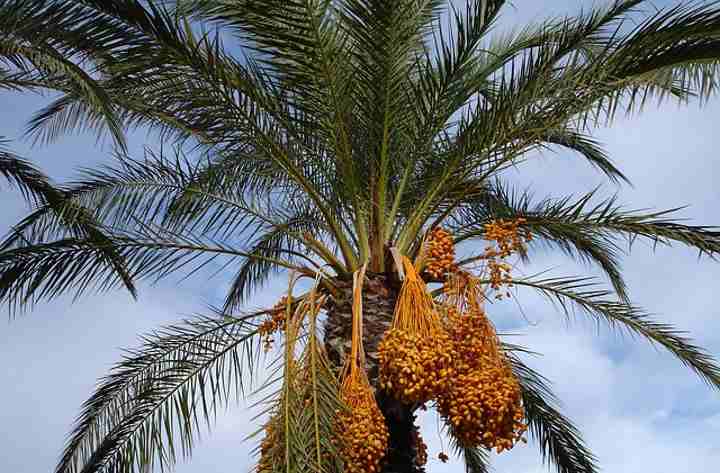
(638,408)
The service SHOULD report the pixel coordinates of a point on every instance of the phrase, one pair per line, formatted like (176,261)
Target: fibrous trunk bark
(379,295)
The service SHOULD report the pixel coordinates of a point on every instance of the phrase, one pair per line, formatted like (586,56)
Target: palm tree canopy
(313,136)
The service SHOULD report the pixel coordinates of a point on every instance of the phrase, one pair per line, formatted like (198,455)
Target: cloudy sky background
(640,410)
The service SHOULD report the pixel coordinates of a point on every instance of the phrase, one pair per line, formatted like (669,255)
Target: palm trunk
(379,296)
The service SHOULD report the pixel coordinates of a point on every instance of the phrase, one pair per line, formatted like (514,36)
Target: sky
(639,409)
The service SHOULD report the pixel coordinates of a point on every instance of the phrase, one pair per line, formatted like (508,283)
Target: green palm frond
(296,38)
(176,193)
(583,294)
(559,440)
(476,459)
(150,409)
(556,87)
(22,175)
(256,112)
(236,105)
(224,92)
(579,226)
(58,61)
(492,132)
(303,412)
(177,196)
(441,89)
(67,218)
(21,81)
(588,148)
(314,424)
(75,265)
(283,240)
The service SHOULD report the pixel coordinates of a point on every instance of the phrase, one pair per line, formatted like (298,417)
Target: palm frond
(440,89)
(588,148)
(583,294)
(282,240)
(517,85)
(68,218)
(592,230)
(569,82)
(476,459)
(59,60)
(389,36)
(169,191)
(76,265)
(172,191)
(315,426)
(559,440)
(150,410)
(303,411)
(181,196)
(22,81)
(225,103)
(21,174)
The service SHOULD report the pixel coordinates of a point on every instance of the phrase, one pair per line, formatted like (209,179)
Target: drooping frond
(559,440)
(52,45)
(592,230)
(22,175)
(68,218)
(590,245)
(287,239)
(75,265)
(184,197)
(586,147)
(583,294)
(300,432)
(476,459)
(171,191)
(315,423)
(151,408)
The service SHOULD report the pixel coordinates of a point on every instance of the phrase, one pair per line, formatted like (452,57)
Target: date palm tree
(319,137)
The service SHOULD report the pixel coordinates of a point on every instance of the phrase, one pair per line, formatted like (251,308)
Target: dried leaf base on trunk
(379,296)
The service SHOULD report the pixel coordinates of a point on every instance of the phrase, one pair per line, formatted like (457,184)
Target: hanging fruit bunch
(507,235)
(414,355)
(440,253)
(484,403)
(274,322)
(508,239)
(364,435)
(462,292)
